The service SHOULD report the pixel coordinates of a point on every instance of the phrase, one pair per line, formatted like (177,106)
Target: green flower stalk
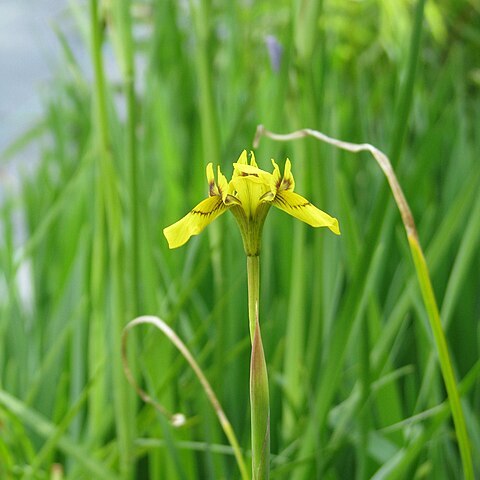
(249,196)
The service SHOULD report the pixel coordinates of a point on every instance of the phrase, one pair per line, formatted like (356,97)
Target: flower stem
(253,275)
(259,394)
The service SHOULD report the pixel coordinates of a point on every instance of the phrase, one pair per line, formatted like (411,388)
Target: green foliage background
(355,387)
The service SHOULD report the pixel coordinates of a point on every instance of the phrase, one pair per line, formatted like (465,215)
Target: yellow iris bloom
(248,195)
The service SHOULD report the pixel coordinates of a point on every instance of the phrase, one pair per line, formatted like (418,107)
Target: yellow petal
(250,190)
(254,173)
(223,186)
(301,208)
(252,159)
(276,176)
(267,197)
(195,221)
(212,186)
(243,158)
(288,182)
(232,200)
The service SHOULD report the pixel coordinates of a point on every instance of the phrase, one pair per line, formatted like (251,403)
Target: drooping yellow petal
(299,207)
(195,221)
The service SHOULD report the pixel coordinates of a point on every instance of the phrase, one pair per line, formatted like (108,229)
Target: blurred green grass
(355,389)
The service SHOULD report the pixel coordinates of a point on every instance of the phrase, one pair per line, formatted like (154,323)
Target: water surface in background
(29,53)
(29,56)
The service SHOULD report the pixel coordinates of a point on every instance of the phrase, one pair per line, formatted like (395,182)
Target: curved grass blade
(179,419)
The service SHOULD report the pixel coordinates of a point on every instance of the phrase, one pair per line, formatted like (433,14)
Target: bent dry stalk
(249,195)
(421,269)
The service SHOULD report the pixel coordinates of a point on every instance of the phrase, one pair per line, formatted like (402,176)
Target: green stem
(131,147)
(259,393)
(253,274)
(443,355)
(108,190)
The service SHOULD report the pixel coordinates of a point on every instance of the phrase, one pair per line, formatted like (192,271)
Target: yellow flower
(248,195)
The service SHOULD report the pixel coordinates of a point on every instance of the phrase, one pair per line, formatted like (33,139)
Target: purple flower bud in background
(275,51)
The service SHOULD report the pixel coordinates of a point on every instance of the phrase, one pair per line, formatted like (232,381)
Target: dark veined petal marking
(195,221)
(208,213)
(299,207)
(282,200)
